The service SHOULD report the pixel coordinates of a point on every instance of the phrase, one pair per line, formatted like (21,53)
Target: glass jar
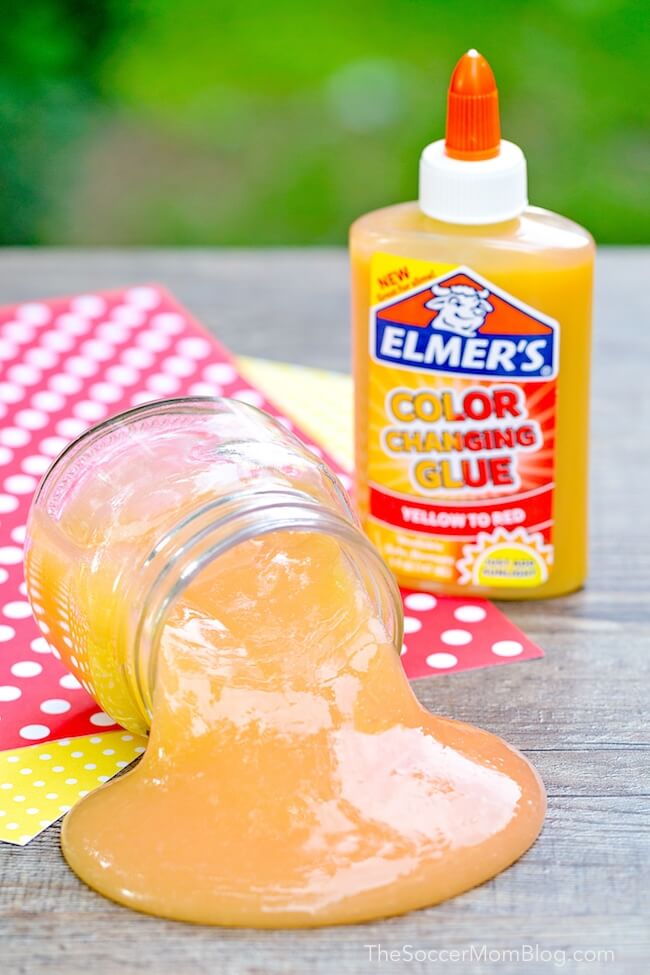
(132,511)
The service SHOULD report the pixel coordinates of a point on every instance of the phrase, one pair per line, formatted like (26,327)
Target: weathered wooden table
(580,714)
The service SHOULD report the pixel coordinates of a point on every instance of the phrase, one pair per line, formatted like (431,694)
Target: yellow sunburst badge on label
(506,559)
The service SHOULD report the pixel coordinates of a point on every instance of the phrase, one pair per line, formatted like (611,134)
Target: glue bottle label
(462,413)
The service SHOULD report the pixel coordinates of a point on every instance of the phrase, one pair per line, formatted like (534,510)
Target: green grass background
(260,123)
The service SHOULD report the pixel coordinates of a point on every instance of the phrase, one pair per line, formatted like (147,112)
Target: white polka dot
(90,766)
(26,668)
(143,297)
(70,682)
(7,503)
(73,324)
(403,650)
(32,811)
(24,375)
(31,419)
(154,341)
(20,484)
(10,555)
(36,464)
(52,446)
(139,399)
(18,332)
(33,732)
(138,358)
(4,575)
(456,638)
(89,410)
(96,740)
(90,305)
(169,322)
(12,826)
(9,693)
(8,350)
(420,602)
(14,437)
(18,534)
(76,754)
(17,610)
(48,401)
(42,358)
(470,614)
(507,648)
(71,781)
(121,376)
(40,645)
(58,341)
(108,751)
(22,588)
(176,365)
(204,389)
(5,455)
(25,771)
(79,366)
(10,393)
(220,372)
(105,392)
(411,625)
(163,384)
(112,332)
(100,719)
(51,795)
(127,315)
(63,383)
(442,661)
(253,398)
(194,347)
(71,427)
(55,705)
(97,349)
(33,312)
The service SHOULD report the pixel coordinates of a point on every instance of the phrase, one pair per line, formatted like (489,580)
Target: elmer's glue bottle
(472,320)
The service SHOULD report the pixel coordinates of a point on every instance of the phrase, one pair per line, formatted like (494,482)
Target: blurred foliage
(207,122)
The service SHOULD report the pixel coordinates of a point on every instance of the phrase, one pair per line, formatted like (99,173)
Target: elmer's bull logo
(462,324)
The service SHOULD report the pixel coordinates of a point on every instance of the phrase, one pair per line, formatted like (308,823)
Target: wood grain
(581,714)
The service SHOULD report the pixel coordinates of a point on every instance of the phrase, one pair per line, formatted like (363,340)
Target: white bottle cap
(478,191)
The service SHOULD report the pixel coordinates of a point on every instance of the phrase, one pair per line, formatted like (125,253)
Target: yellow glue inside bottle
(472,327)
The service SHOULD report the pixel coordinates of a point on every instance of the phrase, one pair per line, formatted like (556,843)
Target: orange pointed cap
(473,128)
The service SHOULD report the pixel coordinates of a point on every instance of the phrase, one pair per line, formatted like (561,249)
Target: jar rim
(180,404)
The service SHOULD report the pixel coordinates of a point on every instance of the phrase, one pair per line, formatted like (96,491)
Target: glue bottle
(472,320)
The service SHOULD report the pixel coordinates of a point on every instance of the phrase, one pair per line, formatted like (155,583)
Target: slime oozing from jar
(291,776)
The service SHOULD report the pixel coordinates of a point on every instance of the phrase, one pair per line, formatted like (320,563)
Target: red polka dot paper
(443,635)
(70,363)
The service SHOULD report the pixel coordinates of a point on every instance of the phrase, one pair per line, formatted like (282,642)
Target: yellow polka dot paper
(320,402)
(40,783)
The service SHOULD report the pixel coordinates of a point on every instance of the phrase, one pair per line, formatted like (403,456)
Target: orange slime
(292,778)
